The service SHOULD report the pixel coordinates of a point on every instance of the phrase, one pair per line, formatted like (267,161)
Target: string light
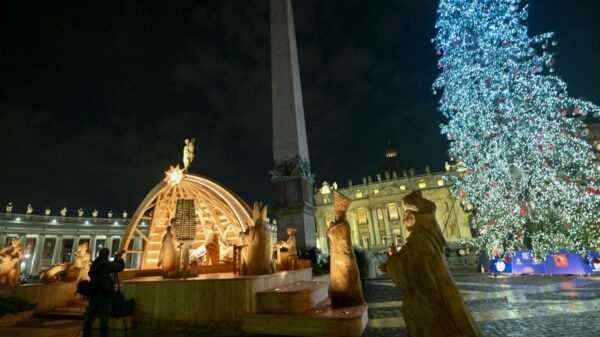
(517,131)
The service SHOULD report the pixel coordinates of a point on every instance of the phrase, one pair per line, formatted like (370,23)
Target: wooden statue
(168,257)
(83,258)
(431,302)
(212,246)
(345,283)
(188,153)
(290,244)
(10,257)
(257,247)
(76,271)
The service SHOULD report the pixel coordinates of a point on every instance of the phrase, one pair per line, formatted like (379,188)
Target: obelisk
(291,175)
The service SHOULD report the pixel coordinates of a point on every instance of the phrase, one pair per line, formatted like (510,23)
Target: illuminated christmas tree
(514,131)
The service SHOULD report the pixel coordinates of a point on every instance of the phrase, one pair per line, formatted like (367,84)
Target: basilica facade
(376,213)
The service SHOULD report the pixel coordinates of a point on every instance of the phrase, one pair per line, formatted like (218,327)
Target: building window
(440,182)
(358,194)
(375,191)
(384,240)
(393,212)
(422,183)
(365,241)
(326,199)
(380,215)
(362,216)
(403,187)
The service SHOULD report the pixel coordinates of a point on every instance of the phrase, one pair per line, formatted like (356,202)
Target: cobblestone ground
(504,306)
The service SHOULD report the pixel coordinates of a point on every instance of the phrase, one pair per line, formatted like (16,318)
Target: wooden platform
(320,321)
(47,296)
(294,297)
(208,300)
(303,309)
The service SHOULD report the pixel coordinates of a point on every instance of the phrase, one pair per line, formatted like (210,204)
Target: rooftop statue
(124,214)
(63,211)
(188,153)
(95,213)
(9,207)
(10,256)
(47,211)
(80,212)
(345,283)
(29,209)
(257,244)
(110,214)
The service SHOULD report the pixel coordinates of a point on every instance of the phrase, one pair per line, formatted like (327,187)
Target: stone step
(64,312)
(320,321)
(293,297)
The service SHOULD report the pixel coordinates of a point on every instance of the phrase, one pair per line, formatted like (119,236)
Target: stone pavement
(503,306)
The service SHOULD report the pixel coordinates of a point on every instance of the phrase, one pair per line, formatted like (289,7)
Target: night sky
(96,98)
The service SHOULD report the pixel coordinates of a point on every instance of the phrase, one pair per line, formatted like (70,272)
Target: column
(376,226)
(371,226)
(386,222)
(76,239)
(93,246)
(57,249)
(37,255)
(356,239)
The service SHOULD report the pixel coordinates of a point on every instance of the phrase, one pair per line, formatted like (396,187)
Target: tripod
(118,283)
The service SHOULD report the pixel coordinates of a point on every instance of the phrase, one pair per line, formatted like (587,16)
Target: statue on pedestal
(345,283)
(257,247)
(168,259)
(9,207)
(63,211)
(212,246)
(29,209)
(188,153)
(10,257)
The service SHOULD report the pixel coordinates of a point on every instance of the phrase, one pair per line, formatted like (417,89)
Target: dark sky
(97,97)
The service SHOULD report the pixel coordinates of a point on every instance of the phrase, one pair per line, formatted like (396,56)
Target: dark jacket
(101,275)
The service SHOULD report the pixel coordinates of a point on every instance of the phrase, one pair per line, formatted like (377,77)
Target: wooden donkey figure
(258,244)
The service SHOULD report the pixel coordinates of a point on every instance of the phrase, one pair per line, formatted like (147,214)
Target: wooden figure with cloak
(168,259)
(431,302)
(345,283)
(257,250)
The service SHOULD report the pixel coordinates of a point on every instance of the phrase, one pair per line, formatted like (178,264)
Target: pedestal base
(212,301)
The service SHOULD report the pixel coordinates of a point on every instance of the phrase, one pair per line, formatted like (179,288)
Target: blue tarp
(563,262)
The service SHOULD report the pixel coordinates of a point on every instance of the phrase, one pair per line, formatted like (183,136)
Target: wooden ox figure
(257,243)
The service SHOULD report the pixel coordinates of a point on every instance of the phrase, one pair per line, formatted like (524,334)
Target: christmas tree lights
(527,170)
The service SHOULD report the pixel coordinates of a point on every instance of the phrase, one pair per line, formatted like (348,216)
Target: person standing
(102,281)
(431,303)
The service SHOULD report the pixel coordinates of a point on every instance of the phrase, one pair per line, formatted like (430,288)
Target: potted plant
(14,310)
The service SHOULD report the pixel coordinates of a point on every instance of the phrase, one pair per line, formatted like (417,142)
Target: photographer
(102,282)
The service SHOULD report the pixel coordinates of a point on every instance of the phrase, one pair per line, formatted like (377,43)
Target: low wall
(214,302)
(47,296)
